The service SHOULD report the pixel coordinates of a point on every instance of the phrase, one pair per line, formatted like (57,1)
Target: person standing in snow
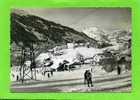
(88,78)
(119,64)
(17,78)
(51,72)
(85,77)
(48,75)
(118,70)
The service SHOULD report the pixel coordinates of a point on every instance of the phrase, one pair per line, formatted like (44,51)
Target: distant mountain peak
(96,33)
(91,29)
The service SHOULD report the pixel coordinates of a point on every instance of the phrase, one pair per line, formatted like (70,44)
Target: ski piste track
(107,83)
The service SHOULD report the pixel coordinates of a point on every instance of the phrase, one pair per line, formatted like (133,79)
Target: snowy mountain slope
(120,36)
(27,28)
(96,33)
(113,37)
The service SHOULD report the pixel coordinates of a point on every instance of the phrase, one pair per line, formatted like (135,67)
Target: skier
(89,79)
(85,77)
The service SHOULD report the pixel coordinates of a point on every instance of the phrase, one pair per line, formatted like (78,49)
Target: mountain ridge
(26,28)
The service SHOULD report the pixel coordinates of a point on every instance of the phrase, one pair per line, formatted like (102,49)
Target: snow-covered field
(73,81)
(68,54)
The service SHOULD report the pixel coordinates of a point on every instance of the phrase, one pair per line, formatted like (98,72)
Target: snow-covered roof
(69,55)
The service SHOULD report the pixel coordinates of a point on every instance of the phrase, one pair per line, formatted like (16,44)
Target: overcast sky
(79,18)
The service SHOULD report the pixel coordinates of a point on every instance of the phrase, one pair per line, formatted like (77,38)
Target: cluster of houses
(100,58)
(72,46)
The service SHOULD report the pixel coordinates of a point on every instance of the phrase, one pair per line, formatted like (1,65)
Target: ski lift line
(32,52)
(23,71)
(31,49)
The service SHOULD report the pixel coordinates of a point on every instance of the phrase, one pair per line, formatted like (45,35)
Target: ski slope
(74,82)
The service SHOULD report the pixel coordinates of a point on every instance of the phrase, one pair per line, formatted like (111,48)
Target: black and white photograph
(71,49)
